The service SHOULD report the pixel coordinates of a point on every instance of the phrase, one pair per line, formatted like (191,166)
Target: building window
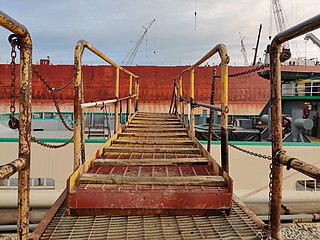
(307,185)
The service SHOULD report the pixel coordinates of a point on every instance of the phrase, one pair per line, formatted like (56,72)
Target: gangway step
(153,142)
(149,161)
(162,129)
(152,150)
(213,181)
(159,135)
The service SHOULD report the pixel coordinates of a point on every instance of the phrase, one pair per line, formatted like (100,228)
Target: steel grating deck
(236,226)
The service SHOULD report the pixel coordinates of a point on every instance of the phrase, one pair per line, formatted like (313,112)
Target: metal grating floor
(236,226)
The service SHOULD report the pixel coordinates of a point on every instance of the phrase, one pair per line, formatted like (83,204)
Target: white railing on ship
(303,88)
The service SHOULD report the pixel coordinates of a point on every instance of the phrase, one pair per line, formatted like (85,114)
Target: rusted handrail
(9,169)
(24,119)
(79,154)
(222,50)
(276,115)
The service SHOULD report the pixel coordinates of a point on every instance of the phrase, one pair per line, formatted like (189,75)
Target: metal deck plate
(237,226)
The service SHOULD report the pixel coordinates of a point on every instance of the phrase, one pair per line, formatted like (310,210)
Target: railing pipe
(181,102)
(24,120)
(116,107)
(209,106)
(276,115)
(191,100)
(130,94)
(299,165)
(98,104)
(9,169)
(78,99)
(222,50)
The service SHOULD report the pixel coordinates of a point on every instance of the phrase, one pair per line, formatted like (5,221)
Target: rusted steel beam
(24,120)
(299,165)
(9,169)
(276,115)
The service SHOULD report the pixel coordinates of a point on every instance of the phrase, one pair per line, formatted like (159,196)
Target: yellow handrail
(79,155)
(24,119)
(222,50)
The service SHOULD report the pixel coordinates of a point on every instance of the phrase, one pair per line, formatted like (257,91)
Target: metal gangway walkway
(152,179)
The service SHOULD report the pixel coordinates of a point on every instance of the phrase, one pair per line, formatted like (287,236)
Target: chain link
(14,42)
(53,146)
(256,69)
(52,92)
(270,196)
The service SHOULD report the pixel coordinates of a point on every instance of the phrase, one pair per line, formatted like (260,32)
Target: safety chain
(14,41)
(53,146)
(259,155)
(36,71)
(270,196)
(52,92)
(266,65)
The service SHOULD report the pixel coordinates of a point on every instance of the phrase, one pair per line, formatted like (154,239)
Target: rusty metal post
(224,108)
(116,106)
(276,123)
(276,115)
(211,110)
(191,101)
(130,100)
(78,91)
(24,121)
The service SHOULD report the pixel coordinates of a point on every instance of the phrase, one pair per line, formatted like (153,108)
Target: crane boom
(280,24)
(243,50)
(313,38)
(137,45)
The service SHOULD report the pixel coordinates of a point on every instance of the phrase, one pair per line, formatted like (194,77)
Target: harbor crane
(243,50)
(280,25)
(313,38)
(135,48)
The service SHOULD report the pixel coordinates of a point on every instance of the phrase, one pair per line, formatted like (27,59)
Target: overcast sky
(176,38)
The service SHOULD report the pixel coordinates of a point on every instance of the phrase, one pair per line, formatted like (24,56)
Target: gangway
(152,178)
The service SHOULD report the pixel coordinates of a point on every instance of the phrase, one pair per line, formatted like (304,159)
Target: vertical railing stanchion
(276,117)
(211,110)
(137,95)
(224,109)
(116,105)
(24,120)
(121,117)
(191,101)
(130,94)
(181,102)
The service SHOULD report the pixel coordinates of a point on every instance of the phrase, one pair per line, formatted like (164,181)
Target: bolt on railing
(79,154)
(276,116)
(24,125)
(222,50)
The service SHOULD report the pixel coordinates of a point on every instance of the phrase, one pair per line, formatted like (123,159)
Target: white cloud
(113,27)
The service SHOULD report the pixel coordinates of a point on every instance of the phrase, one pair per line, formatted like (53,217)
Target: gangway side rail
(79,153)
